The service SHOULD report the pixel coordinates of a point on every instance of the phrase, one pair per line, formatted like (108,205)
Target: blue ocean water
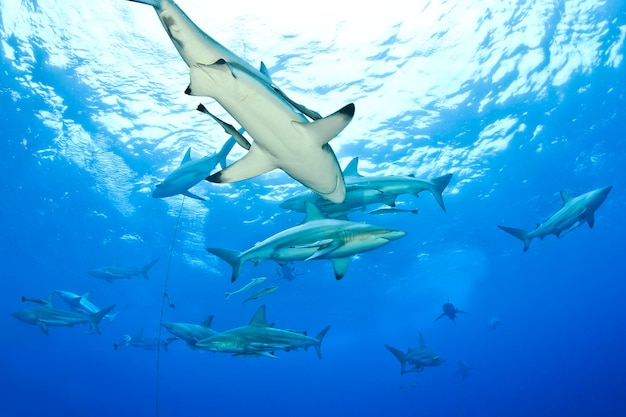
(517,100)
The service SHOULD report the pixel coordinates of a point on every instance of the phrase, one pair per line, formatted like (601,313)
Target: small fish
(253,283)
(390,210)
(261,293)
(409,385)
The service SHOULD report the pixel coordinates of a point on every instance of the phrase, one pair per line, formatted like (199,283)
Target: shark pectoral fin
(442,314)
(390,200)
(218,73)
(323,130)
(228,128)
(42,326)
(340,265)
(192,195)
(325,249)
(591,220)
(254,163)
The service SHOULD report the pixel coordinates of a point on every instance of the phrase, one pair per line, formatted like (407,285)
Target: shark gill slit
(169,302)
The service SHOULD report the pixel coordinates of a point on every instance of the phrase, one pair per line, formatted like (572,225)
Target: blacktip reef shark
(575,212)
(189,173)
(47,315)
(362,191)
(115,272)
(283,136)
(191,333)
(450,311)
(80,304)
(259,338)
(317,237)
(418,357)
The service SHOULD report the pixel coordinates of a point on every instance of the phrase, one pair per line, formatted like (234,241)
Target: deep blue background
(559,350)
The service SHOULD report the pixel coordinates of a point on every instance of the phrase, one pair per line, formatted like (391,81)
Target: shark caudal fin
(520,234)
(439,185)
(318,341)
(95,318)
(145,269)
(400,356)
(230,256)
(112,317)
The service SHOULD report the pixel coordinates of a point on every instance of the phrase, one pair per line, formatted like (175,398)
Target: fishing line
(170,304)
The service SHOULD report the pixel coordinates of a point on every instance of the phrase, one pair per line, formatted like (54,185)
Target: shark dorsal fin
(566,197)
(187,157)
(258,320)
(207,322)
(422,344)
(312,212)
(411,175)
(352,169)
(264,71)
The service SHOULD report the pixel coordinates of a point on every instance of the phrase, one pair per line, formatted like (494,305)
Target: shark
(419,357)
(259,338)
(463,369)
(141,342)
(494,322)
(288,272)
(575,212)
(189,173)
(115,272)
(450,311)
(81,304)
(191,333)
(286,135)
(362,191)
(317,237)
(47,315)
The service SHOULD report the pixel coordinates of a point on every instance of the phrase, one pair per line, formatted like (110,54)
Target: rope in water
(165,295)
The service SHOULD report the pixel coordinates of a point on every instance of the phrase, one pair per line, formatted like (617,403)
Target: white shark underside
(575,212)
(283,137)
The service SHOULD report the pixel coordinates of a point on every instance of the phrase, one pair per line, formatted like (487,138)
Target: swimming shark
(316,238)
(574,212)
(189,173)
(145,343)
(48,315)
(81,304)
(259,338)
(288,272)
(114,271)
(191,333)
(463,369)
(283,135)
(418,357)
(362,191)
(450,311)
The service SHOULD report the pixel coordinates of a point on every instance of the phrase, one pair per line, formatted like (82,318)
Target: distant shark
(191,333)
(450,311)
(115,272)
(141,342)
(362,191)
(316,238)
(259,338)
(283,135)
(418,357)
(48,315)
(463,370)
(575,212)
(81,304)
(189,173)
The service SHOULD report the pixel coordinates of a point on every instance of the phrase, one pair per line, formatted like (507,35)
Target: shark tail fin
(400,356)
(318,341)
(520,234)
(233,257)
(95,318)
(112,317)
(439,185)
(145,269)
